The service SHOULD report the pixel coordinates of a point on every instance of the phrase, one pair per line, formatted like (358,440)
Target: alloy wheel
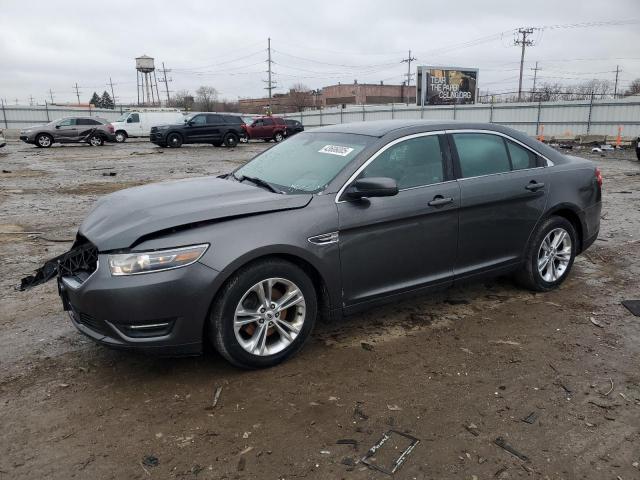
(44,141)
(95,141)
(554,255)
(269,316)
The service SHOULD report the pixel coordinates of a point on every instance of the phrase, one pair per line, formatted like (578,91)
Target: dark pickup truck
(214,128)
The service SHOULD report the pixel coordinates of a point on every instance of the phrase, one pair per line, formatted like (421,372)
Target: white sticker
(336,150)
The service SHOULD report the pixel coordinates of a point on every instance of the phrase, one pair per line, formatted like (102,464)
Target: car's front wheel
(121,137)
(264,314)
(549,256)
(44,140)
(174,140)
(278,137)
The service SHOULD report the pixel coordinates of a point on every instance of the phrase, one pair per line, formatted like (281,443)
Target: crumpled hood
(121,218)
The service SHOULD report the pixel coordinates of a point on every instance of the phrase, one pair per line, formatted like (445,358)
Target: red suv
(267,128)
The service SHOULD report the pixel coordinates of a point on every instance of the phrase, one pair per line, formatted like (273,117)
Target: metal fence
(19,117)
(567,119)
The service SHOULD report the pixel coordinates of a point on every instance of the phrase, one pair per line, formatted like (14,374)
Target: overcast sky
(45,45)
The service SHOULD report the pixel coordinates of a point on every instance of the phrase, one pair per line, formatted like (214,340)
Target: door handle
(534,186)
(439,201)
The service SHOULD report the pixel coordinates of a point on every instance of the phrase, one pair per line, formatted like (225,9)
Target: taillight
(598,177)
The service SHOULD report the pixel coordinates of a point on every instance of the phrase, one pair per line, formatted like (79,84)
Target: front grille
(92,323)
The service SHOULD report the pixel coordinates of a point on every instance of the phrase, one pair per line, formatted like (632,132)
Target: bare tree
(182,99)
(300,97)
(206,97)
(634,88)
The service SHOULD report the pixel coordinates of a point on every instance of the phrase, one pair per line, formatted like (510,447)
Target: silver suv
(92,130)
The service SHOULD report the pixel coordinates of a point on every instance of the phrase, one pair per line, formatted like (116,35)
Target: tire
(174,140)
(121,136)
(96,140)
(551,274)
(240,291)
(44,140)
(278,137)
(230,140)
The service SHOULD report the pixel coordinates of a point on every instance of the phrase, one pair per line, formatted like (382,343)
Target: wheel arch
(298,257)
(571,213)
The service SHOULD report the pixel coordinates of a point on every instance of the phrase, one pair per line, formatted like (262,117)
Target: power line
(523,42)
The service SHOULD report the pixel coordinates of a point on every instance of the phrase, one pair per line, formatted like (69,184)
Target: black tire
(121,136)
(230,140)
(529,276)
(174,140)
(44,140)
(221,321)
(278,137)
(96,140)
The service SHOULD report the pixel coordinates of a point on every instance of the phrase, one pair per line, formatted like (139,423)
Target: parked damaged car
(326,224)
(92,130)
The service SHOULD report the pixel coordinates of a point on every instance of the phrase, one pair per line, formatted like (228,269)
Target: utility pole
(31,100)
(535,76)
(270,86)
(408,61)
(524,42)
(615,88)
(51,95)
(166,82)
(77,92)
(113,95)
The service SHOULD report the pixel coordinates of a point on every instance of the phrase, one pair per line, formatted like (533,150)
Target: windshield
(307,162)
(122,117)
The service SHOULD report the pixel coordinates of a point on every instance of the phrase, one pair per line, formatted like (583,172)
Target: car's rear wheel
(264,314)
(230,140)
(121,136)
(278,137)
(549,256)
(96,140)
(174,140)
(44,140)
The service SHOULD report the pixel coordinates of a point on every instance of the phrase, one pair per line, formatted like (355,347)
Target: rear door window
(215,119)
(87,121)
(267,121)
(411,163)
(521,157)
(67,122)
(481,154)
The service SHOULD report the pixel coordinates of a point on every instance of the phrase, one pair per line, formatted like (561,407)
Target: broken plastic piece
(502,443)
(369,458)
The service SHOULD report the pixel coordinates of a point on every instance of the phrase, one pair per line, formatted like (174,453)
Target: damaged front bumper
(160,312)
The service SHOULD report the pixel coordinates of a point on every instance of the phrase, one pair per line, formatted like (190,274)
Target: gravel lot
(456,370)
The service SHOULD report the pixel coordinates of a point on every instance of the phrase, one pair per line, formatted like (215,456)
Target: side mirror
(372,187)
(57,126)
(190,123)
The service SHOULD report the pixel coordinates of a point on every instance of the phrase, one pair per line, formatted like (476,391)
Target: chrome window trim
(500,134)
(378,153)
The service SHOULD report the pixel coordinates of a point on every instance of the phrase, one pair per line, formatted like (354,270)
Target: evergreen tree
(95,100)
(106,101)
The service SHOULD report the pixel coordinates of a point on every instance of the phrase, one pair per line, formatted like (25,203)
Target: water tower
(147,81)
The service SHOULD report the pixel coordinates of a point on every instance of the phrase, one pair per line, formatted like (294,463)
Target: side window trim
(446,159)
(456,160)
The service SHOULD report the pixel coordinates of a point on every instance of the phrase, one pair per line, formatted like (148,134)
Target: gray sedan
(92,130)
(330,222)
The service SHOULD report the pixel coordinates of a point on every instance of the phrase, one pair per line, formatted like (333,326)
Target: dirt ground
(455,370)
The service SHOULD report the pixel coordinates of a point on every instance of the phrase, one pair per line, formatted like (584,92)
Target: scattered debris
(505,342)
(596,322)
(455,301)
(499,473)
(347,441)
(502,443)
(610,390)
(367,346)
(359,413)
(394,408)
(246,450)
(242,462)
(216,397)
(109,174)
(633,306)
(348,461)
(564,387)
(369,458)
(325,452)
(150,461)
(531,418)
(466,350)
(472,428)
(6,171)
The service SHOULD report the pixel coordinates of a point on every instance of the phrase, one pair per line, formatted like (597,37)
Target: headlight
(146,262)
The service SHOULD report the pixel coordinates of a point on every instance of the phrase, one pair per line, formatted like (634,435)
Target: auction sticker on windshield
(336,150)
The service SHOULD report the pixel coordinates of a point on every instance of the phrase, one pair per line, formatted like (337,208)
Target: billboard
(446,85)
